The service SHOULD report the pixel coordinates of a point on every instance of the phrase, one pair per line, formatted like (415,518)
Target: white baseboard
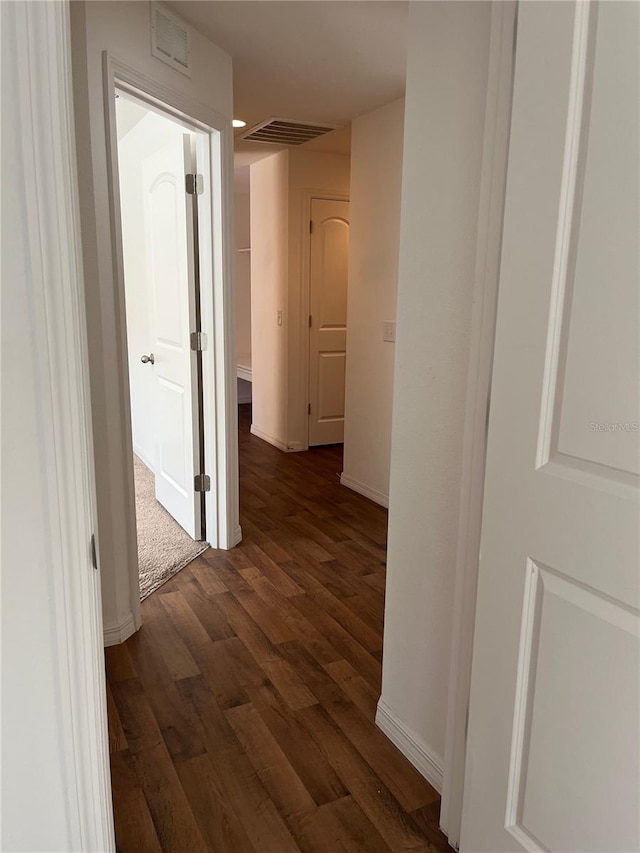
(117,634)
(143,456)
(362,489)
(286,448)
(425,762)
(268,438)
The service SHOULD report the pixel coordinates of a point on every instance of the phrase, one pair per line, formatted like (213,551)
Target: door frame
(307,198)
(48,174)
(216,294)
(483,322)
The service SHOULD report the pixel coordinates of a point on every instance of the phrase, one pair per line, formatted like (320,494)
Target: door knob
(147,359)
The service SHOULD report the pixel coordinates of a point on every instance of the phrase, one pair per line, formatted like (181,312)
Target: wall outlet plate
(389,331)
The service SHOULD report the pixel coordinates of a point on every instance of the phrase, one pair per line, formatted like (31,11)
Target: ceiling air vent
(284,131)
(169,38)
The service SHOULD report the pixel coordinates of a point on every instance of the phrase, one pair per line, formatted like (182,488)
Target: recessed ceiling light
(237,122)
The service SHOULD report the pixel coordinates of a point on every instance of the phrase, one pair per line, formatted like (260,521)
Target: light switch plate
(389,331)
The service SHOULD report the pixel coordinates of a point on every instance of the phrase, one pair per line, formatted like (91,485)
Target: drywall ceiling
(315,60)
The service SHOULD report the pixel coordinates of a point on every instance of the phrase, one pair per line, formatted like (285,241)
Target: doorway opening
(159,181)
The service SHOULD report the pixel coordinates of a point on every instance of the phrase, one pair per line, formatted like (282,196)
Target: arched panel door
(328,327)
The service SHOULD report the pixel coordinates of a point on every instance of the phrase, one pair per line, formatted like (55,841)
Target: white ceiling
(317,60)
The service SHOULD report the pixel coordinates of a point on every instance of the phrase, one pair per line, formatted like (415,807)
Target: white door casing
(552,759)
(170,265)
(329,256)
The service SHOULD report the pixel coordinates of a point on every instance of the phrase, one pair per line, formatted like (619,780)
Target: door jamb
(217,295)
(305,301)
(48,175)
(485,299)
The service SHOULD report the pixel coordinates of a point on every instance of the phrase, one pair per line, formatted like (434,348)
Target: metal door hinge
(310,321)
(311,226)
(94,553)
(202,483)
(309,408)
(194,184)
(198,341)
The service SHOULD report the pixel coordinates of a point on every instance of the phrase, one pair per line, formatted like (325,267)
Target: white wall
(151,133)
(376,183)
(444,123)
(122,28)
(269,265)
(243,274)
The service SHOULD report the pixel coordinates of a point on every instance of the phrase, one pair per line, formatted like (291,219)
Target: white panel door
(328,308)
(170,264)
(553,748)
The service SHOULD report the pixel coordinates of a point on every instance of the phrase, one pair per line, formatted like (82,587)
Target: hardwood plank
(339,826)
(206,576)
(173,819)
(356,688)
(384,812)
(301,627)
(284,786)
(117,737)
(134,827)
(341,640)
(236,777)
(308,761)
(289,684)
(178,726)
(218,823)
(118,663)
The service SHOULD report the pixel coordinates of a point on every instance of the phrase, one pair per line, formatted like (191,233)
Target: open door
(172,274)
(552,759)
(329,274)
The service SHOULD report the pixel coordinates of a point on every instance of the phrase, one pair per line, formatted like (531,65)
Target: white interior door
(328,327)
(553,749)
(170,265)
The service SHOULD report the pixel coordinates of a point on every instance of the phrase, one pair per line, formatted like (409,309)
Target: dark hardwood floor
(241,715)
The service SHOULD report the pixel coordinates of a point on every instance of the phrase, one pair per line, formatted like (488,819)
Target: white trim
(413,749)
(362,489)
(40,33)
(485,298)
(236,538)
(268,438)
(218,298)
(116,634)
(244,373)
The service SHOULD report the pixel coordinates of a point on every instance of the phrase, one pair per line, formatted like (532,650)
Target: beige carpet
(163,546)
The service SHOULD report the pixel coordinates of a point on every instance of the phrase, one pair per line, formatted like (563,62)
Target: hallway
(241,714)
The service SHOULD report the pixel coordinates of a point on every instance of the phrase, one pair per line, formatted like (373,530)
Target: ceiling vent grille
(284,131)
(169,38)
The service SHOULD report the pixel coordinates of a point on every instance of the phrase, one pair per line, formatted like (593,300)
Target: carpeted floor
(163,546)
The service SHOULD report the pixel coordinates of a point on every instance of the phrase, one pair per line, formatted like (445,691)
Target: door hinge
(309,409)
(202,483)
(311,226)
(198,341)
(194,184)
(94,553)
(310,321)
